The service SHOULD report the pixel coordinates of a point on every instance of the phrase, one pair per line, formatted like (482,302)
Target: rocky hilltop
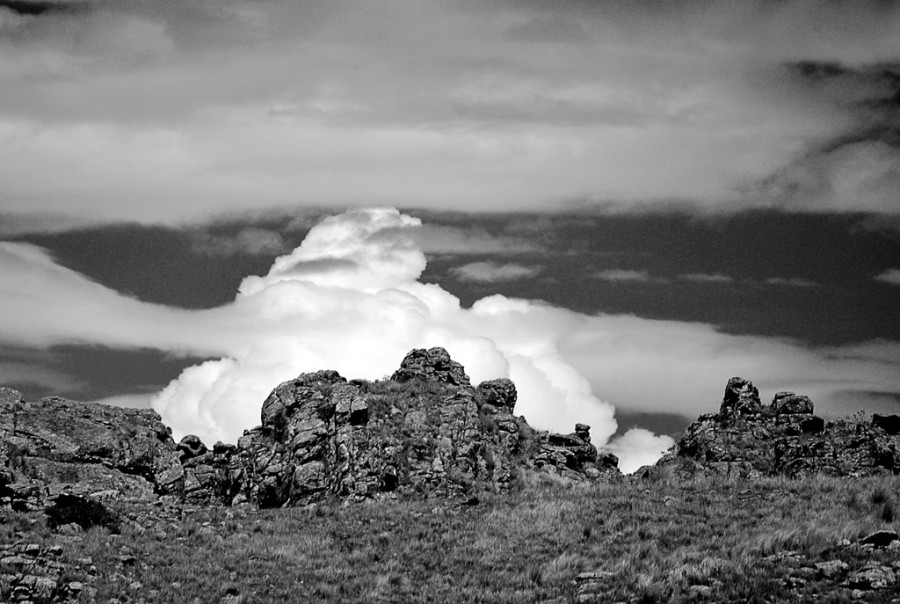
(785,437)
(425,431)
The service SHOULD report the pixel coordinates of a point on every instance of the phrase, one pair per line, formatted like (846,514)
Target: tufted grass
(717,540)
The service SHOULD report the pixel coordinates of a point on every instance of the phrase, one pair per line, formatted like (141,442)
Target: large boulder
(788,403)
(500,393)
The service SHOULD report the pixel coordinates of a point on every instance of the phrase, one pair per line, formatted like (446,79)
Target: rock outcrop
(56,445)
(426,431)
(784,438)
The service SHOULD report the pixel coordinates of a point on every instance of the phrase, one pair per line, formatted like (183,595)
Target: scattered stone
(589,585)
(831,569)
(700,591)
(70,530)
(872,577)
(30,573)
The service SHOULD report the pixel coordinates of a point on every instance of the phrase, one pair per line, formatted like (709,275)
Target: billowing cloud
(349,298)
(492,272)
(891,276)
(170,112)
(356,306)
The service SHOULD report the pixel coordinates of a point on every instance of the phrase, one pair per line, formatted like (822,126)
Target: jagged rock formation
(425,431)
(783,438)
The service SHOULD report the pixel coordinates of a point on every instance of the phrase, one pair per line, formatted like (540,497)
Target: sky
(620,205)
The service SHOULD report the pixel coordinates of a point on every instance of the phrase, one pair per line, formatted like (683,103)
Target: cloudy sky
(618,204)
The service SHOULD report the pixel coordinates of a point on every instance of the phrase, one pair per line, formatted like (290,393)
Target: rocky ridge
(750,439)
(426,431)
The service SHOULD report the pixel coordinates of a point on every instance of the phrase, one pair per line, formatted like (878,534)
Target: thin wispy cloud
(38,373)
(464,241)
(791,282)
(250,240)
(493,272)
(707,278)
(891,276)
(623,275)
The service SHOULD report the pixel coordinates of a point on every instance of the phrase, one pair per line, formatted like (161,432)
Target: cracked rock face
(55,445)
(783,438)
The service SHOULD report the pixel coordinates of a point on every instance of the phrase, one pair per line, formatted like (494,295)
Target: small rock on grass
(831,568)
(880,538)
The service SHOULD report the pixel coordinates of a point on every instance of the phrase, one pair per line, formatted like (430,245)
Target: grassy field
(714,540)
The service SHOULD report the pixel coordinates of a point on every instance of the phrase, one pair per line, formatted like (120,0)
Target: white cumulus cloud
(639,447)
(348,299)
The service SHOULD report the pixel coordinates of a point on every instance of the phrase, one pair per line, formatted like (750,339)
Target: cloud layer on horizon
(348,298)
(170,112)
